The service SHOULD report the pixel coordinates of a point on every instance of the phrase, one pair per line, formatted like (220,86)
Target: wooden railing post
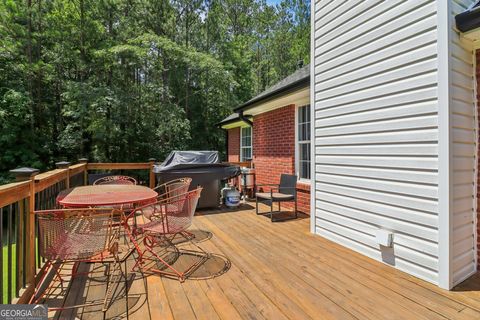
(25,174)
(64,165)
(85,173)
(152,174)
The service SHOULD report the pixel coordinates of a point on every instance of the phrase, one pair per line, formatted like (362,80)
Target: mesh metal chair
(173,188)
(115,180)
(81,235)
(170,218)
(286,191)
(168,191)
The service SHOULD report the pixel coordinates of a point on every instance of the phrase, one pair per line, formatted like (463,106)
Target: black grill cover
(203,167)
(197,162)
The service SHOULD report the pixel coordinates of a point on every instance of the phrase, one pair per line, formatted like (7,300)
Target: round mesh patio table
(106,195)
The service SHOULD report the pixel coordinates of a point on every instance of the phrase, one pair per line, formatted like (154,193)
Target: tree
(123,80)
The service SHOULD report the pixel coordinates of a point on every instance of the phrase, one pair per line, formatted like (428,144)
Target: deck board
(279,271)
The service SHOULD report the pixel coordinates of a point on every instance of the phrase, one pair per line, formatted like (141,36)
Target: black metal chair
(286,191)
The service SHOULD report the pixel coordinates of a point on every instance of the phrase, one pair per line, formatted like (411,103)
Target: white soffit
(236,124)
(473,35)
(299,97)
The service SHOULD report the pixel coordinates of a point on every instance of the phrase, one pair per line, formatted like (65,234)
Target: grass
(5,272)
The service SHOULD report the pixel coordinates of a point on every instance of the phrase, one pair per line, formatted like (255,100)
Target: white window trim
(297,148)
(251,142)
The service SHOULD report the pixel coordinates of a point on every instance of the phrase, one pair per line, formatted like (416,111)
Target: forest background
(127,80)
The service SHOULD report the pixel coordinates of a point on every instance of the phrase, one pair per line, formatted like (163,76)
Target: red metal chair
(173,188)
(115,180)
(167,191)
(81,235)
(168,219)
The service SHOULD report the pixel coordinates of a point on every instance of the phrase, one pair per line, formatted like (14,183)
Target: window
(303,140)
(246,144)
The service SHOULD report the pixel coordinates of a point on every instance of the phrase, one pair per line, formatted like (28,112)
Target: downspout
(244,119)
(226,144)
(250,123)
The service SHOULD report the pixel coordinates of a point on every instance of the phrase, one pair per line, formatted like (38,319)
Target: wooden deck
(279,271)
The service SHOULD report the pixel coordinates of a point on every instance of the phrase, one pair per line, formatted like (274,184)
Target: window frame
(242,159)
(298,142)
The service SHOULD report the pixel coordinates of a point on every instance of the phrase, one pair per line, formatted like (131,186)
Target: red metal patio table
(106,195)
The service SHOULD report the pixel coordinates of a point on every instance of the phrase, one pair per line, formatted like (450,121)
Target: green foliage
(122,80)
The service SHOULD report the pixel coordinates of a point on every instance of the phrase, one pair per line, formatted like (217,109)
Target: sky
(273,1)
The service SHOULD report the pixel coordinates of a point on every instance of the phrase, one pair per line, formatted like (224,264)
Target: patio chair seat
(158,227)
(277,196)
(160,208)
(286,191)
(75,247)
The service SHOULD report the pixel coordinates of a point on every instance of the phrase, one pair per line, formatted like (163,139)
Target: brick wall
(477,71)
(303,197)
(274,150)
(234,145)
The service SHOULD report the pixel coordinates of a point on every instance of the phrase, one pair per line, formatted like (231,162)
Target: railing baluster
(52,191)
(49,195)
(1,256)
(45,199)
(25,214)
(16,212)
(9,261)
(37,248)
(41,204)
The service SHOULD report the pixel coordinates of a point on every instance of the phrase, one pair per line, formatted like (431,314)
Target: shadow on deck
(264,270)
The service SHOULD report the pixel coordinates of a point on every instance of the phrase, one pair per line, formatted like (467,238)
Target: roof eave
(468,20)
(305,82)
(224,123)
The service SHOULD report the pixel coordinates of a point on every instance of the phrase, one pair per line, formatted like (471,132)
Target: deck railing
(20,261)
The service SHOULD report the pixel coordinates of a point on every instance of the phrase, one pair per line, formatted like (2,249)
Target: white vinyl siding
(462,108)
(376,129)
(395,133)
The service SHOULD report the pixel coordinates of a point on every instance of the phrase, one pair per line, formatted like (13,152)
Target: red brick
(234,145)
(274,150)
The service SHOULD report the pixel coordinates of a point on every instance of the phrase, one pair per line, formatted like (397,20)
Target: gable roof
(234,117)
(469,19)
(230,118)
(298,79)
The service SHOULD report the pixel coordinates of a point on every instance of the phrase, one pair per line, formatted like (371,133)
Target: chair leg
(279,207)
(296,212)
(126,285)
(271,210)
(181,275)
(256,205)
(34,298)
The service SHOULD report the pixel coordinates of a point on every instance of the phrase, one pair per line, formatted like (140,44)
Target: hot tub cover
(197,162)
(203,167)
(187,159)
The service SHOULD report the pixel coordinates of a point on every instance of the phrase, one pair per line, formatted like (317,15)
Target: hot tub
(203,167)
